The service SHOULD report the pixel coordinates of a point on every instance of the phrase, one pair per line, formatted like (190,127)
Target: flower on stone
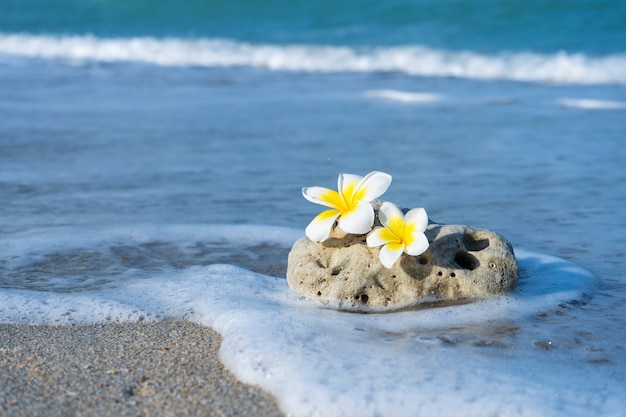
(350,205)
(399,233)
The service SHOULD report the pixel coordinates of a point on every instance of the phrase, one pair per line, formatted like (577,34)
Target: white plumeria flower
(351,204)
(399,233)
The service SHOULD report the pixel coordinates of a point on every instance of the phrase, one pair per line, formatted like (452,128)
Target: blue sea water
(152,156)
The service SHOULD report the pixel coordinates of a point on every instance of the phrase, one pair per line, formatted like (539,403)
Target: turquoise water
(152,157)
(594,27)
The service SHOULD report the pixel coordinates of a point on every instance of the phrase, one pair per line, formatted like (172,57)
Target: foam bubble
(414,60)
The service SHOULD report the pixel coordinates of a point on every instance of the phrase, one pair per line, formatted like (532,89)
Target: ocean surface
(152,156)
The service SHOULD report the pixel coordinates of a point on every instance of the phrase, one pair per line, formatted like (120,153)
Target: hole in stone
(439,273)
(474,244)
(452,274)
(466,260)
(364,298)
(319,293)
(492,265)
(336,271)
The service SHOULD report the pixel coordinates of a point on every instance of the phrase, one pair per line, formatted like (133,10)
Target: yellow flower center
(397,232)
(345,200)
(351,197)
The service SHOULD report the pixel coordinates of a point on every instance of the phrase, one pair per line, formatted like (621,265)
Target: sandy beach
(168,368)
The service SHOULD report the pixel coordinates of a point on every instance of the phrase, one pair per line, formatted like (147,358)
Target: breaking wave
(413,60)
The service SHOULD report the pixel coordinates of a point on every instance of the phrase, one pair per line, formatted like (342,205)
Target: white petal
(377,237)
(389,254)
(319,228)
(419,244)
(316,195)
(358,221)
(346,179)
(389,212)
(417,216)
(375,184)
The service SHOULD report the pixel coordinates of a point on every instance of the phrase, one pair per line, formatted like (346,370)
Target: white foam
(322,362)
(591,104)
(414,60)
(403,96)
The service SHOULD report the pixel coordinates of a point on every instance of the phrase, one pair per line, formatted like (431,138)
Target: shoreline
(121,369)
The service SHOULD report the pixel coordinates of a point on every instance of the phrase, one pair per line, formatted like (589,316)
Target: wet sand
(168,368)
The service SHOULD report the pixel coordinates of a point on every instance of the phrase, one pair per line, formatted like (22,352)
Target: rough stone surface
(461,264)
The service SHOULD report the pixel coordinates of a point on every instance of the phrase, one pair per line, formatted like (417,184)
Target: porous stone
(461,264)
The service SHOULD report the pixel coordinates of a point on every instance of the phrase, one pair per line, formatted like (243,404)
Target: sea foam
(491,357)
(415,60)
(592,104)
(404,96)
